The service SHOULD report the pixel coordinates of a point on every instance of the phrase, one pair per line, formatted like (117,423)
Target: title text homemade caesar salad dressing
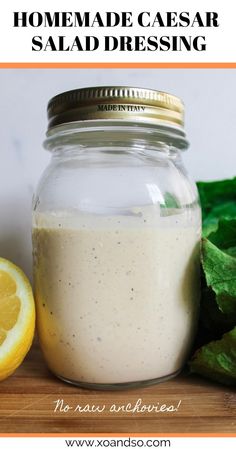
(116,232)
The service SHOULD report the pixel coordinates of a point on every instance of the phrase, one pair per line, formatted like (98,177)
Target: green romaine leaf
(217,359)
(225,236)
(220,273)
(212,322)
(218,200)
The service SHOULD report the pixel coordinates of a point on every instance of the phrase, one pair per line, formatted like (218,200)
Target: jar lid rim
(116,102)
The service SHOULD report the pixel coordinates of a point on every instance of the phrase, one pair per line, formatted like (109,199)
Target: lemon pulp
(17,317)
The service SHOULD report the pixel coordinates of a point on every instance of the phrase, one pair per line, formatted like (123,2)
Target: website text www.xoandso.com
(118,443)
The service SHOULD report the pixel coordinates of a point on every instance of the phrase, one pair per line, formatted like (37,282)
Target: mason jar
(116,232)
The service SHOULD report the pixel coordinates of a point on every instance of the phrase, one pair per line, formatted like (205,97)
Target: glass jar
(116,232)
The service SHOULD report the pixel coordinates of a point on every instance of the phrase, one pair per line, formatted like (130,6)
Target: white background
(209,97)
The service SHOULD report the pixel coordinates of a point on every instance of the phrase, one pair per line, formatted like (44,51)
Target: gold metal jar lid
(119,103)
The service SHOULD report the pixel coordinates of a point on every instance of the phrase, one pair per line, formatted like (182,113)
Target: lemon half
(17,317)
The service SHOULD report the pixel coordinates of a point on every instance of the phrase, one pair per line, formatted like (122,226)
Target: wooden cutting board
(28,400)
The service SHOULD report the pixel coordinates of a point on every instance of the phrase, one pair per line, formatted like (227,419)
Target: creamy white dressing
(117,296)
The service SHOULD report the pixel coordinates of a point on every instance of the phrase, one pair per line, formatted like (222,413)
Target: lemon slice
(17,317)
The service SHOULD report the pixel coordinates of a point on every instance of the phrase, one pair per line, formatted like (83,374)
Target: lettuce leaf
(220,273)
(215,356)
(213,323)
(217,359)
(225,236)
(218,200)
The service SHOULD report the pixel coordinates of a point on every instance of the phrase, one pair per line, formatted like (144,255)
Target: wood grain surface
(27,404)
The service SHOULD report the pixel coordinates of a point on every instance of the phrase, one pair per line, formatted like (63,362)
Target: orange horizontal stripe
(117,65)
(124,435)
